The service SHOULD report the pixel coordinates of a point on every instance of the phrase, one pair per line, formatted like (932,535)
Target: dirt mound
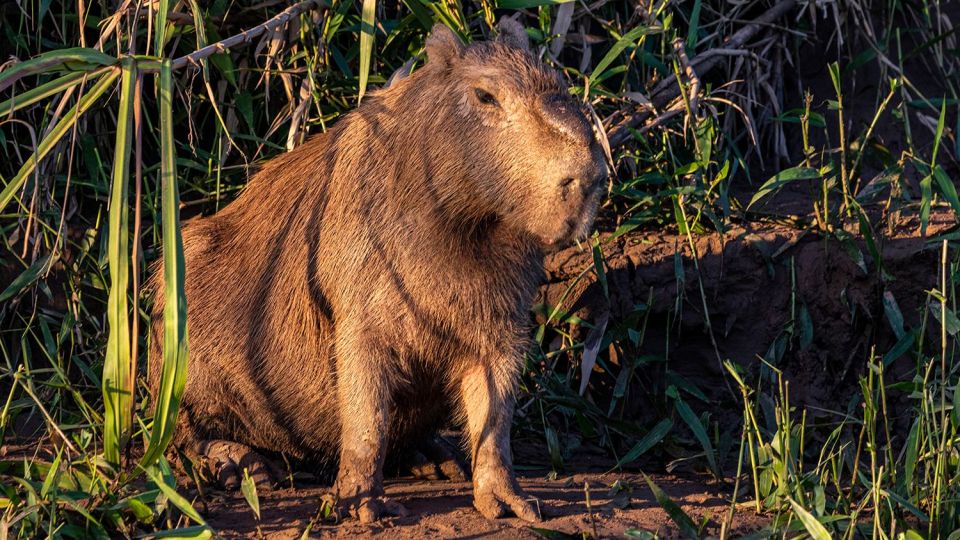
(759,282)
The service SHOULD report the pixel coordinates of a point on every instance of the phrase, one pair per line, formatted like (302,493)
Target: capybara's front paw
(359,504)
(492,501)
(370,509)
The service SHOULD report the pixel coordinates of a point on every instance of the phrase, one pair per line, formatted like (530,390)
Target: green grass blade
(655,435)
(694,25)
(174,376)
(118,401)
(160,26)
(249,489)
(947,189)
(938,136)
(59,130)
(178,500)
(76,59)
(367,31)
(683,521)
(782,178)
(926,199)
(814,528)
(528,4)
(196,532)
(44,91)
(25,279)
(701,434)
(619,46)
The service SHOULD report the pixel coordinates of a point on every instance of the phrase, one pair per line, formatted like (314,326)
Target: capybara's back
(378,277)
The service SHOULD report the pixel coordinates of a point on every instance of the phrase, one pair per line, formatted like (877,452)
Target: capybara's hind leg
(227,460)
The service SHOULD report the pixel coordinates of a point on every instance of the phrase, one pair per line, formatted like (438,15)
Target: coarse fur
(380,275)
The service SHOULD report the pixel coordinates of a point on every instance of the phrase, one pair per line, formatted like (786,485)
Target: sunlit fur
(378,277)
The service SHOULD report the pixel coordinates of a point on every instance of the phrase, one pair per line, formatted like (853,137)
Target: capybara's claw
(493,504)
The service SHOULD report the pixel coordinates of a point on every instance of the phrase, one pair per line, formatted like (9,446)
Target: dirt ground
(444,510)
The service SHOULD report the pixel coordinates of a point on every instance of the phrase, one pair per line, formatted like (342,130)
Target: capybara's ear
(512,33)
(443,46)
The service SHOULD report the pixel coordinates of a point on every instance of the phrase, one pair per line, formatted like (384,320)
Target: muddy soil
(444,510)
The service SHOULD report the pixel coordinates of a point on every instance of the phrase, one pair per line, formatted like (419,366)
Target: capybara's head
(525,151)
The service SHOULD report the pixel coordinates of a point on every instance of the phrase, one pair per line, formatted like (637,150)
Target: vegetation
(115,117)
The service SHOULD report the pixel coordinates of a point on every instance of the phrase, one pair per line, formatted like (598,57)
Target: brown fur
(381,273)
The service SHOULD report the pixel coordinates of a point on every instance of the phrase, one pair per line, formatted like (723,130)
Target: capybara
(375,282)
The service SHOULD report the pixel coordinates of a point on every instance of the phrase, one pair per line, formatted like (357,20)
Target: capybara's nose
(563,115)
(587,182)
(595,179)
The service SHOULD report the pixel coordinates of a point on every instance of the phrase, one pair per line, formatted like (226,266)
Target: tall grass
(115,119)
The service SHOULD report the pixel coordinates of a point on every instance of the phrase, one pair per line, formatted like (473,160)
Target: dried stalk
(247,36)
(669,89)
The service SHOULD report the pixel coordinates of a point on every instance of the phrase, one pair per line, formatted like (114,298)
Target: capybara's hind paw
(493,504)
(437,459)
(447,458)
(226,461)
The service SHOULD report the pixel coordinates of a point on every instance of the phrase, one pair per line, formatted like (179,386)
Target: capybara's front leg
(488,398)
(363,396)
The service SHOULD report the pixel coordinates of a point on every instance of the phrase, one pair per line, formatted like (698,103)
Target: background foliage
(127,115)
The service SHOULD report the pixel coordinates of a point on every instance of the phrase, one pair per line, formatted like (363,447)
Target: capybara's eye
(486,97)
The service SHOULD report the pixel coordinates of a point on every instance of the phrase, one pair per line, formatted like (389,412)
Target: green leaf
(947,189)
(117,376)
(834,70)
(694,25)
(701,434)
(142,512)
(196,532)
(367,31)
(249,489)
(816,529)
(173,377)
(178,500)
(894,317)
(56,133)
(783,178)
(951,322)
(684,523)
(26,278)
(937,137)
(619,46)
(926,198)
(806,328)
(160,26)
(901,346)
(648,441)
(75,59)
(45,90)
(53,473)
(527,4)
